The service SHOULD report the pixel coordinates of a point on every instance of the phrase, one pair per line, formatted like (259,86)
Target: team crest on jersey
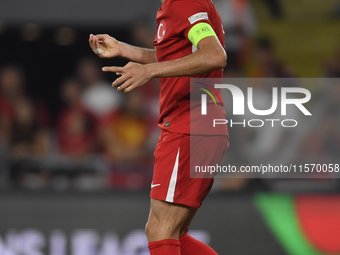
(198,16)
(161,31)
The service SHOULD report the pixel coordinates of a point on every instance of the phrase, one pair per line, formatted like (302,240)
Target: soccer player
(189,43)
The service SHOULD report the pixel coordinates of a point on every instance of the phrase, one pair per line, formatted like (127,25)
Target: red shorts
(171,177)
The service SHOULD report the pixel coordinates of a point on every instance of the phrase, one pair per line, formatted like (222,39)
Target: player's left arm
(210,56)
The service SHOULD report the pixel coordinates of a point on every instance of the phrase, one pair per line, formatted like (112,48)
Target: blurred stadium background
(76,156)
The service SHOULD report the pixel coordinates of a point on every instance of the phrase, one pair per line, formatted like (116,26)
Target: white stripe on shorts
(173,180)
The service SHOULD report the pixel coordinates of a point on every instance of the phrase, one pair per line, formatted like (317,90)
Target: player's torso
(171,43)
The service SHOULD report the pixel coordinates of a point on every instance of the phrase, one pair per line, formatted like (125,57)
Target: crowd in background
(95,119)
(101,138)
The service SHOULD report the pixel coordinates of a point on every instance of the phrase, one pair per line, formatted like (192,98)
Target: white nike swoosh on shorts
(154,185)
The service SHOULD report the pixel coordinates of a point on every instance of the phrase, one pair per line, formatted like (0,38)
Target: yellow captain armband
(200,31)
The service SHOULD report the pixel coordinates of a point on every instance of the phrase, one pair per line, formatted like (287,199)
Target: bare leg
(167,221)
(186,225)
(172,221)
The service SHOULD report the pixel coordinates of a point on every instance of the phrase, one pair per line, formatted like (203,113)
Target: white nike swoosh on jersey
(154,185)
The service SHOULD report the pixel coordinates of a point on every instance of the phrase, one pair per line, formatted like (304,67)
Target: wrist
(122,49)
(153,70)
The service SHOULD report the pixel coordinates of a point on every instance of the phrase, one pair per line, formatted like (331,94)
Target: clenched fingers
(91,42)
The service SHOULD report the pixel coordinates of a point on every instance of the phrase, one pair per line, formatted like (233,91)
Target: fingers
(113,69)
(95,44)
(91,42)
(99,38)
(102,37)
(131,76)
(130,88)
(98,47)
(119,81)
(118,71)
(125,85)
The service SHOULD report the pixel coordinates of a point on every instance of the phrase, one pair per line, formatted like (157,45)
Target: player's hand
(104,46)
(132,76)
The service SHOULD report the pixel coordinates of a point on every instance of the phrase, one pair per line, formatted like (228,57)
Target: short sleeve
(186,14)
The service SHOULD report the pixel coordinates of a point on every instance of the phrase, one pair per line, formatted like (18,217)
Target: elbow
(220,59)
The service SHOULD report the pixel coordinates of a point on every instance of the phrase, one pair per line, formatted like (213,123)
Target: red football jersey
(175,18)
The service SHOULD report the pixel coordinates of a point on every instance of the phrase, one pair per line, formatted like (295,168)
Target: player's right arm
(111,48)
